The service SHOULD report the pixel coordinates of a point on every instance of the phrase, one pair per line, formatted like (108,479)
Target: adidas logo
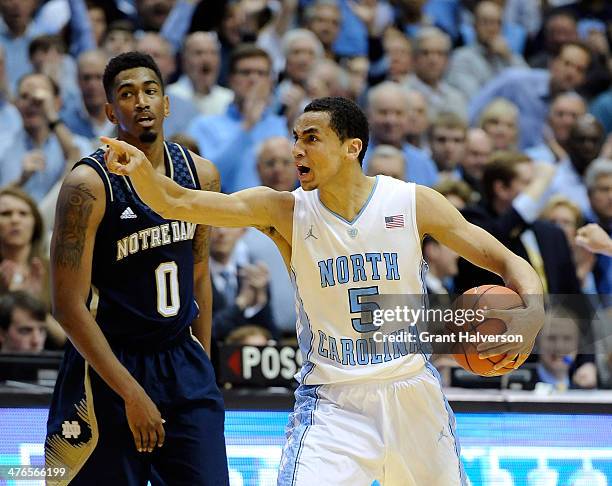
(128,214)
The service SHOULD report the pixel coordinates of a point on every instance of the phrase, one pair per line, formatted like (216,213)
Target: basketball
(464,349)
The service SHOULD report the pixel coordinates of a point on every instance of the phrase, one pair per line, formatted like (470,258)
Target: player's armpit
(208,177)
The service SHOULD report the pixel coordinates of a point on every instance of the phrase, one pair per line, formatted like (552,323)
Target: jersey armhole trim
(190,162)
(413,210)
(170,161)
(105,179)
(103,175)
(297,206)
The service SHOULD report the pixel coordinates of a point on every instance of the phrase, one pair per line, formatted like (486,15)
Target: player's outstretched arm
(80,208)
(251,207)
(450,228)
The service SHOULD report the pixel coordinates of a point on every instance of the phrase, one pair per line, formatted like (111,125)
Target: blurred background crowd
(503,106)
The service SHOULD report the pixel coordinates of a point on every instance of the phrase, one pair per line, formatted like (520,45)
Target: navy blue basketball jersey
(142,272)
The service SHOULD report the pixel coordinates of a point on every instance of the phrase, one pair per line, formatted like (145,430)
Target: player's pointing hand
(123,158)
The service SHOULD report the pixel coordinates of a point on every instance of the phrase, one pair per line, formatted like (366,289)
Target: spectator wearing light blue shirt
(16,32)
(602,109)
(598,179)
(388,116)
(19,26)
(431,52)
(47,56)
(85,114)
(43,150)
(565,109)
(324,18)
(474,65)
(532,89)
(182,111)
(584,144)
(230,139)
(10,119)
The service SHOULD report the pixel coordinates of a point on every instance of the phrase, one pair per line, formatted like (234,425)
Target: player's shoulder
(426,194)
(208,174)
(82,194)
(83,175)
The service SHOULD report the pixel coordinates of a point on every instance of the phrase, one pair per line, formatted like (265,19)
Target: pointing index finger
(118,146)
(110,141)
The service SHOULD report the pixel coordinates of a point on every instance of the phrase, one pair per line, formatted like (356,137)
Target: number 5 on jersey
(356,305)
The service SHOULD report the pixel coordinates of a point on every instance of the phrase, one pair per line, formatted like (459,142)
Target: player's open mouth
(302,169)
(145,120)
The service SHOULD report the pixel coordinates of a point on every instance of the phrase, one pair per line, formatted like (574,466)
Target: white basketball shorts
(399,433)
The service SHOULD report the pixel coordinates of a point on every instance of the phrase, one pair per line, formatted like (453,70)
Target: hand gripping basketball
(504,315)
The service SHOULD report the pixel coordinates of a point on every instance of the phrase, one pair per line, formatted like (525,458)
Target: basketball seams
(466,353)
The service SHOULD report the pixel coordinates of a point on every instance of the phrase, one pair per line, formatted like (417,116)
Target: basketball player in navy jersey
(364,410)
(136,398)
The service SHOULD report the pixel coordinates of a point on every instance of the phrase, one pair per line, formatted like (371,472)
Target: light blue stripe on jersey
(424,268)
(306,336)
(360,211)
(300,420)
(451,422)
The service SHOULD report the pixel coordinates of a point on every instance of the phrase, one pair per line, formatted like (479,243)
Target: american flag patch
(396,221)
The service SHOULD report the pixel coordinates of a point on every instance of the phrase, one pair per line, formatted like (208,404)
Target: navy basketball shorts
(88,432)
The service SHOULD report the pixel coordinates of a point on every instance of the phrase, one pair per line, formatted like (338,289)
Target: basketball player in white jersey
(363,412)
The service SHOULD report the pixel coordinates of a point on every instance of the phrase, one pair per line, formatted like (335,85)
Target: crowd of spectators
(503,106)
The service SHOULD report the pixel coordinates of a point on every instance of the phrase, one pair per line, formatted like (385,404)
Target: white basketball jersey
(340,269)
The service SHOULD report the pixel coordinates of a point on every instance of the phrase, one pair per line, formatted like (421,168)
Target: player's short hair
(345,118)
(123,62)
(20,299)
